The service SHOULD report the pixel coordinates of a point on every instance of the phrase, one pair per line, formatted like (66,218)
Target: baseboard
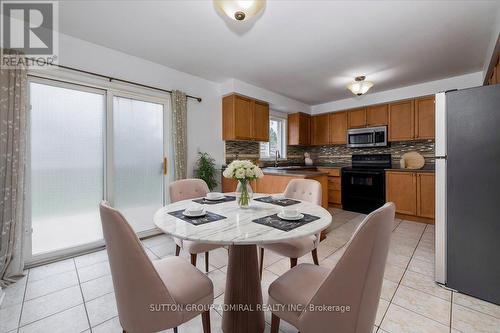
(415,218)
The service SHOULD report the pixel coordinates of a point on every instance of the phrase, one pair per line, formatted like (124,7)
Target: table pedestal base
(243,295)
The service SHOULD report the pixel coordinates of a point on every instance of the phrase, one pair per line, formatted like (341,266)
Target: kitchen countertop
(298,173)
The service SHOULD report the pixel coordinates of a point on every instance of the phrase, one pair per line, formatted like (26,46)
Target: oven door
(362,190)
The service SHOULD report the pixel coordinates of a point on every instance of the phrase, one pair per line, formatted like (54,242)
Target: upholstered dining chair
(190,189)
(306,190)
(151,296)
(356,281)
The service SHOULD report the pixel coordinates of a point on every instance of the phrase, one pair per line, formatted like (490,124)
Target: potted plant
(206,170)
(244,172)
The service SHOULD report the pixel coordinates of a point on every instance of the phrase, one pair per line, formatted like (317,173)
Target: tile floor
(76,295)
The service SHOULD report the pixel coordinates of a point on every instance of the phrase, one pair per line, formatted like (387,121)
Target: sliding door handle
(165,166)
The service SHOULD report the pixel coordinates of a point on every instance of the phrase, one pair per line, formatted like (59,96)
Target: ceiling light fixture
(240,10)
(360,86)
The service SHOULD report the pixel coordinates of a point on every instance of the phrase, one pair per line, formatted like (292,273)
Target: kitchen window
(277,139)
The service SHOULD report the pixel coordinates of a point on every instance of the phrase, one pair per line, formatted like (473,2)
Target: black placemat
(214,202)
(285,225)
(280,202)
(209,217)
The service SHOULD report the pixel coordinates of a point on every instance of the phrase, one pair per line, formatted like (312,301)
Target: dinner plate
(203,213)
(295,218)
(215,199)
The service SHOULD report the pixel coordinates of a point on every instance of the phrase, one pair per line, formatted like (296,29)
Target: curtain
(179,133)
(13,114)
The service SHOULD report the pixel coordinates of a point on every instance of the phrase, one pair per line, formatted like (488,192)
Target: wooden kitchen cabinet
(357,118)
(338,127)
(334,185)
(320,129)
(426,196)
(425,118)
(299,129)
(413,193)
(244,118)
(377,115)
(401,188)
(402,120)
(261,121)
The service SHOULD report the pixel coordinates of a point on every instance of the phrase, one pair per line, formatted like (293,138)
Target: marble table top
(238,228)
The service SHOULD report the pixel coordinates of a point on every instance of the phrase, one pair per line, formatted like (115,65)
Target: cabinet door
(377,115)
(401,188)
(299,132)
(243,118)
(357,118)
(338,127)
(320,130)
(425,118)
(260,122)
(426,202)
(401,121)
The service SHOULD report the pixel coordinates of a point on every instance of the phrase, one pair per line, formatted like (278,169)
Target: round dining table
(243,310)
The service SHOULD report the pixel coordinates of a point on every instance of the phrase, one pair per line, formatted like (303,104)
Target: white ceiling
(306,50)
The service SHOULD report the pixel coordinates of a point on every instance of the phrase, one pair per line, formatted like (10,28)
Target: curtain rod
(121,80)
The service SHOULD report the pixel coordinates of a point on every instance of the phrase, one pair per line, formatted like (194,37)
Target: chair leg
(177,250)
(275,323)
(175,329)
(193,259)
(293,262)
(261,261)
(315,256)
(206,262)
(205,318)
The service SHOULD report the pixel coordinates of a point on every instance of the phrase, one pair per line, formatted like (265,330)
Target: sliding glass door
(67,165)
(87,145)
(138,150)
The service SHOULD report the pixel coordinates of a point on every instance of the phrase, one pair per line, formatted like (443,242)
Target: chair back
(188,189)
(136,282)
(356,280)
(304,189)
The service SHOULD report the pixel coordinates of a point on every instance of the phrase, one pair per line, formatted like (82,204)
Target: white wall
(204,119)
(276,101)
(426,88)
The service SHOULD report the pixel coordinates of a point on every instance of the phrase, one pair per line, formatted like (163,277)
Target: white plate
(203,213)
(215,199)
(295,218)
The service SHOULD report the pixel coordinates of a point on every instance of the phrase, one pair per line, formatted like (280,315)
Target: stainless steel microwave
(367,137)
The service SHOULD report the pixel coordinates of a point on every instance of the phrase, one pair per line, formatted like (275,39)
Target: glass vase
(244,193)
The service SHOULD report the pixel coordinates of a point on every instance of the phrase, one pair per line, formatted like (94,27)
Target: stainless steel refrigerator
(468,191)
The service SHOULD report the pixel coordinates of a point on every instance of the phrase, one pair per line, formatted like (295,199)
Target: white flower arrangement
(243,170)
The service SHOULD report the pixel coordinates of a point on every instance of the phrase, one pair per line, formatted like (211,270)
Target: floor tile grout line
(451,310)
(22,303)
(83,297)
(474,310)
(402,276)
(53,314)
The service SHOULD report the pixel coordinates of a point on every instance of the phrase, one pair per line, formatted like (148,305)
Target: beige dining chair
(355,282)
(306,190)
(152,296)
(191,189)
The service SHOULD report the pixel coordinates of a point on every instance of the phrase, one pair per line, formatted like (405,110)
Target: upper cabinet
(402,120)
(299,129)
(425,118)
(412,119)
(357,118)
(320,129)
(338,127)
(377,115)
(244,118)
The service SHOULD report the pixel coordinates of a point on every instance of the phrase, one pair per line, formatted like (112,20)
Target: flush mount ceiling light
(240,10)
(359,86)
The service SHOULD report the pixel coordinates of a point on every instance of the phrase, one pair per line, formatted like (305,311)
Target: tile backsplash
(331,154)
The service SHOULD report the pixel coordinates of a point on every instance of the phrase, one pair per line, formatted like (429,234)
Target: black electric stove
(363,183)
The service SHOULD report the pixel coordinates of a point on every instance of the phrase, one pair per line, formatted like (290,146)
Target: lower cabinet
(334,185)
(411,192)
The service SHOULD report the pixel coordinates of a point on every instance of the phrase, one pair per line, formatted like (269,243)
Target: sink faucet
(276,156)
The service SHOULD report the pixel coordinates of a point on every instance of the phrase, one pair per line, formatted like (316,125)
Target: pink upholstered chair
(140,284)
(191,189)
(306,190)
(356,281)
